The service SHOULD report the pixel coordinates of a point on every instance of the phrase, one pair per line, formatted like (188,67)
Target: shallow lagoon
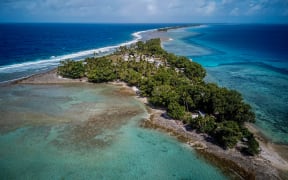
(252,59)
(85,131)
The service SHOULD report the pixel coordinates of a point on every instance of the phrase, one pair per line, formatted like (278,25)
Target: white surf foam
(54,60)
(201,26)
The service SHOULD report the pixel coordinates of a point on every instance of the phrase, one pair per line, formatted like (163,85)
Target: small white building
(194,115)
(126,57)
(151,60)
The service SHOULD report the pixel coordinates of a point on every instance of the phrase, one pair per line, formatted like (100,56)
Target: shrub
(71,69)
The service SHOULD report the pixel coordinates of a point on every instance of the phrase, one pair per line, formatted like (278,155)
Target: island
(175,84)
(210,118)
(177,27)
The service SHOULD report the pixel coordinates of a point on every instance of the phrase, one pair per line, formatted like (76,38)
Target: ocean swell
(20,70)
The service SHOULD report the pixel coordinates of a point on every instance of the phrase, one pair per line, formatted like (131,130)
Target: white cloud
(210,8)
(152,9)
(254,9)
(140,10)
(226,1)
(204,8)
(235,12)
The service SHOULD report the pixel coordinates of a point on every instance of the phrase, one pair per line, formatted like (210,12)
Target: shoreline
(230,161)
(55,59)
(278,159)
(267,165)
(137,36)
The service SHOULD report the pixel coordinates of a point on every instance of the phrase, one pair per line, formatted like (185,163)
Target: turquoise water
(252,59)
(87,132)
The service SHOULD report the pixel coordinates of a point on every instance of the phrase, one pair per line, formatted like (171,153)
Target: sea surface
(251,58)
(80,131)
(27,49)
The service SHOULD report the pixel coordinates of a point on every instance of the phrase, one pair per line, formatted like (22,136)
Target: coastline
(273,156)
(267,165)
(31,67)
(263,166)
(276,154)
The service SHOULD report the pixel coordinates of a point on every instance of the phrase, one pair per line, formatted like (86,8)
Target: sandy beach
(267,165)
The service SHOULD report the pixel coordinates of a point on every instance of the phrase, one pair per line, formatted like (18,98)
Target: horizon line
(144,23)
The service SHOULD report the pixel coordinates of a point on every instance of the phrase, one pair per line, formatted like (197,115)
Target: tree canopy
(176,84)
(71,69)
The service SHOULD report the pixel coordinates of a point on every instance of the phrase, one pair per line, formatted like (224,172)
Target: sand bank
(50,77)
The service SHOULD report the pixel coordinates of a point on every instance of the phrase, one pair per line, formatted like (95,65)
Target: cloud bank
(152,11)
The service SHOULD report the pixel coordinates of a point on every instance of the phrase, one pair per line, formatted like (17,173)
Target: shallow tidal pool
(87,131)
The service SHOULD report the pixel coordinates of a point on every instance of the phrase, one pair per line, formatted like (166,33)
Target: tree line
(177,85)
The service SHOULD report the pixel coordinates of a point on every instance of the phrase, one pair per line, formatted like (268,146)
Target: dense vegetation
(176,84)
(71,69)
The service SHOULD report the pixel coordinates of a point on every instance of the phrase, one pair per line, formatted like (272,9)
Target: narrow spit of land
(122,66)
(230,161)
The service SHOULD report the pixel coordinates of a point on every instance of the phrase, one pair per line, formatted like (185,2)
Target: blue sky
(145,11)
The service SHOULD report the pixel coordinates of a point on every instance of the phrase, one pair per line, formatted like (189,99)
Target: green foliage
(71,69)
(175,110)
(146,87)
(100,70)
(225,104)
(193,71)
(166,76)
(131,76)
(163,95)
(203,124)
(227,134)
(253,146)
(140,46)
(185,97)
(153,47)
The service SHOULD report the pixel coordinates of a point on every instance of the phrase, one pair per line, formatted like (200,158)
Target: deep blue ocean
(26,49)
(251,58)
